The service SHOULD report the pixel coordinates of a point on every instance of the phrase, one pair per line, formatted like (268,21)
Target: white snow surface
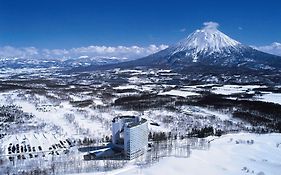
(45,140)
(126,87)
(270,97)
(232,154)
(235,89)
(208,39)
(82,122)
(179,93)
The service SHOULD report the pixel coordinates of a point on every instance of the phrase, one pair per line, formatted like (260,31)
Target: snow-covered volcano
(206,49)
(209,37)
(210,47)
(207,41)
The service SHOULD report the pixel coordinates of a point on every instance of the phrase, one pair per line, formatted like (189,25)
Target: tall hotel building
(130,133)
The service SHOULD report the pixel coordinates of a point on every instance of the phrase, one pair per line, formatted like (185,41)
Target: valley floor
(46,117)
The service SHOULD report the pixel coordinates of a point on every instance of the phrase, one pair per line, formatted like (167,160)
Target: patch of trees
(277,126)
(91,141)
(255,112)
(142,102)
(13,113)
(254,119)
(202,132)
(126,90)
(270,89)
(82,104)
(5,87)
(37,171)
(217,101)
(133,99)
(195,132)
(159,136)
(86,141)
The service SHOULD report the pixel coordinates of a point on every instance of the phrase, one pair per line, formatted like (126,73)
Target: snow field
(232,154)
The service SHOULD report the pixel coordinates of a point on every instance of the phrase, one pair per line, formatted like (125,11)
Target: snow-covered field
(179,93)
(235,89)
(40,141)
(270,97)
(232,154)
(67,120)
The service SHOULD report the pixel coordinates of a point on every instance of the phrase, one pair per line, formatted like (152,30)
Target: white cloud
(183,30)
(129,52)
(274,48)
(9,51)
(211,25)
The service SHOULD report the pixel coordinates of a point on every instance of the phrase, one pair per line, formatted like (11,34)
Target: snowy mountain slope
(209,46)
(207,41)
(206,47)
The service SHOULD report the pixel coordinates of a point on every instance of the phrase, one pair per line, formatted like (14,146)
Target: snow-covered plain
(235,89)
(179,93)
(62,115)
(270,97)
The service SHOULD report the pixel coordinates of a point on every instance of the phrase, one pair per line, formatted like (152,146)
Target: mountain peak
(207,40)
(208,51)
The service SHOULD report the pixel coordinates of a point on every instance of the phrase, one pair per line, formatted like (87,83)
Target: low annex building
(130,133)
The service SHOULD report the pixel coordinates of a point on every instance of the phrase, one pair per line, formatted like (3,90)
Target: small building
(105,153)
(130,134)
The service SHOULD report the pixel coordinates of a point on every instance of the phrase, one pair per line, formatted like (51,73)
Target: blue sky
(76,23)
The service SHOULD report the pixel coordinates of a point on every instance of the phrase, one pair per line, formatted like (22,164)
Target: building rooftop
(130,125)
(124,116)
(132,120)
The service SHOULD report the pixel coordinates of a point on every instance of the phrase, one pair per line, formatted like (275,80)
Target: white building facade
(131,134)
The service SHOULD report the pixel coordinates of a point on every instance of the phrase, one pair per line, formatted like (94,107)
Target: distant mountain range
(82,61)
(206,52)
